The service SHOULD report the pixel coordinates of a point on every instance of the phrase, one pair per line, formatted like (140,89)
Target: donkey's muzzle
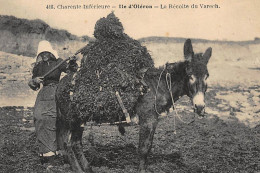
(199,104)
(199,109)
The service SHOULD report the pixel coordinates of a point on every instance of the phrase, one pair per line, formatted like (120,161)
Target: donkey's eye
(192,79)
(206,77)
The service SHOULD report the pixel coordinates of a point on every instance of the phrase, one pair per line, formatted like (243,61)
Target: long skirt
(45,115)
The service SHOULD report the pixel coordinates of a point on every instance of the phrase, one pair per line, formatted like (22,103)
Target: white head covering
(45,46)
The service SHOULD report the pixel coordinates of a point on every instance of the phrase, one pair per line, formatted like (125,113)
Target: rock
(254,93)
(2,77)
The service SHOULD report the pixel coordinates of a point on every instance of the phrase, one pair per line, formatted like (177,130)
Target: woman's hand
(38,80)
(33,85)
(73,58)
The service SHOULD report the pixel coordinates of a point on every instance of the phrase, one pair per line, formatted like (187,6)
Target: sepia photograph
(152,86)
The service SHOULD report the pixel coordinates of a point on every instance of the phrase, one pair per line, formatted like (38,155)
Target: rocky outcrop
(21,36)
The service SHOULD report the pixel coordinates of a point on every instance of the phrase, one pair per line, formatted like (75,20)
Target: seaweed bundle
(110,63)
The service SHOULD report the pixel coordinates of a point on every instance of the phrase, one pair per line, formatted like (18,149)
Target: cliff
(21,36)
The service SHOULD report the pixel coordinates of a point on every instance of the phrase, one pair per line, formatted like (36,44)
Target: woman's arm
(71,66)
(34,83)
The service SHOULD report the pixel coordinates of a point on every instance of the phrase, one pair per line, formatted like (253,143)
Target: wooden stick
(106,124)
(128,120)
(54,68)
(57,66)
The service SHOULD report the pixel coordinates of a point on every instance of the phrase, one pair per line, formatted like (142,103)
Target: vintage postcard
(129,86)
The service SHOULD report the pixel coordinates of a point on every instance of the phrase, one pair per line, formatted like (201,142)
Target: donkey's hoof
(88,169)
(142,171)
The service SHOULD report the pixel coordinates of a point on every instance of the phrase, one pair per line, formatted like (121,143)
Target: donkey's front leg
(147,128)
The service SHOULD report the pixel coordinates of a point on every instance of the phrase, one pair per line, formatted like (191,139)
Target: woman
(45,112)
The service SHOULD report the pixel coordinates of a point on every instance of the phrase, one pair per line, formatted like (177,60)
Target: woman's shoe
(45,159)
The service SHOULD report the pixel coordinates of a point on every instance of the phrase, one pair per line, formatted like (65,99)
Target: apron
(45,115)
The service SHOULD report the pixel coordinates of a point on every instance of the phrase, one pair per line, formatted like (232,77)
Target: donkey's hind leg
(70,153)
(61,135)
(148,125)
(78,149)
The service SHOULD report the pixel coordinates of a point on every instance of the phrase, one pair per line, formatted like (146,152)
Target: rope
(169,88)
(169,85)
(156,91)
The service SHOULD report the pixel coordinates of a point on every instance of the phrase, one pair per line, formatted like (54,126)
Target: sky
(235,19)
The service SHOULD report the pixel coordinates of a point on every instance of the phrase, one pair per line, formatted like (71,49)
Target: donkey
(187,78)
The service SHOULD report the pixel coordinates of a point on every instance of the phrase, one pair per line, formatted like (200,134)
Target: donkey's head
(197,74)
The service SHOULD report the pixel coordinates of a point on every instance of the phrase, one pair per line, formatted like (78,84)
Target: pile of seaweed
(112,63)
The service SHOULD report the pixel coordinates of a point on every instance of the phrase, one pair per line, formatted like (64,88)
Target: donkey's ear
(188,50)
(207,55)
